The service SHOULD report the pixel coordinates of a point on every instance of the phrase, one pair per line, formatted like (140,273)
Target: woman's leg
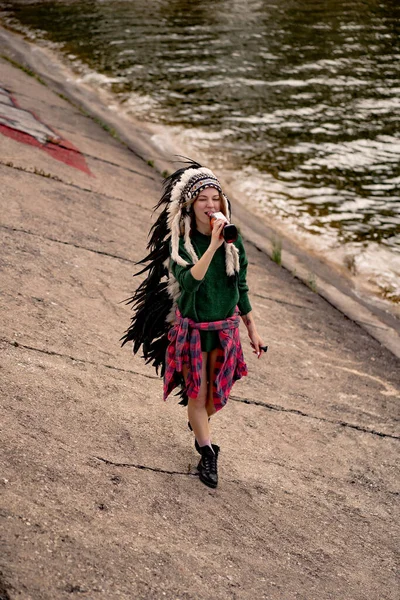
(211,366)
(198,418)
(197,411)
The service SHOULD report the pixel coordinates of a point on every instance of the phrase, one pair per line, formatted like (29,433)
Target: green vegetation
(350,263)
(389,293)
(34,171)
(23,68)
(103,125)
(64,97)
(312,282)
(44,174)
(277,251)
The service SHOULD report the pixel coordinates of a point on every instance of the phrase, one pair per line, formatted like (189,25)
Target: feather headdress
(154,301)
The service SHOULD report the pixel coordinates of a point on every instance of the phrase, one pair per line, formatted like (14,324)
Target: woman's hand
(199,270)
(256,343)
(216,234)
(255,340)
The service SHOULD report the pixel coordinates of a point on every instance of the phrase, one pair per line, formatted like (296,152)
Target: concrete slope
(100,497)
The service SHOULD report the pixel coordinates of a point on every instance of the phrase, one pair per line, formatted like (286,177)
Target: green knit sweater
(216,296)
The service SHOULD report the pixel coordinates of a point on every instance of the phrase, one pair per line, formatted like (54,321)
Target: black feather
(151,303)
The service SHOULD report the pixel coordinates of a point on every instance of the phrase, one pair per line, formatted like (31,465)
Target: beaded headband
(198,183)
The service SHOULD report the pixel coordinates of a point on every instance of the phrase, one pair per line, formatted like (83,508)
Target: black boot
(207,466)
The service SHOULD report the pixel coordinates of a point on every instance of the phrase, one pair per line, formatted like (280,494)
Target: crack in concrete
(257,487)
(109,162)
(144,468)
(356,321)
(51,239)
(283,302)
(73,359)
(278,408)
(37,173)
(4,595)
(273,407)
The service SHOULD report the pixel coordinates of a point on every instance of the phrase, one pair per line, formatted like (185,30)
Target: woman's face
(207,201)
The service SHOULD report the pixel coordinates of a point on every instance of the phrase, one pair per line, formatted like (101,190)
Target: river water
(296,103)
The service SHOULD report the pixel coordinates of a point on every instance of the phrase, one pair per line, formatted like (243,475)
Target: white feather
(188,242)
(174,293)
(225,206)
(175,242)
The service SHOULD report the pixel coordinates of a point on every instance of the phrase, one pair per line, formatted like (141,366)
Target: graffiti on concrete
(23,126)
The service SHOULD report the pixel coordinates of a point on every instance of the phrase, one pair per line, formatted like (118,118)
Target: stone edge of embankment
(137,137)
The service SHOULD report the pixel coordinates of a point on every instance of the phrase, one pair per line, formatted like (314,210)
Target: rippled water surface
(300,99)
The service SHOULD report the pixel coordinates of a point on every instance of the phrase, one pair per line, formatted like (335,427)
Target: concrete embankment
(100,497)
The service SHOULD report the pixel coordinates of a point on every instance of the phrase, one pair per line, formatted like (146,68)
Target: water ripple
(297,103)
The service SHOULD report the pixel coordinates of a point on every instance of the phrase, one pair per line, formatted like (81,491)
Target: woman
(200,283)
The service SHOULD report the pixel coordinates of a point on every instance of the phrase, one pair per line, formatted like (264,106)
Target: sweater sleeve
(186,281)
(184,277)
(244,302)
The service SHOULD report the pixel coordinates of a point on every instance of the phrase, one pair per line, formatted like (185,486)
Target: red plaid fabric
(185,349)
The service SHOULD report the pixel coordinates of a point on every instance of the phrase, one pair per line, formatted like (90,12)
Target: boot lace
(210,462)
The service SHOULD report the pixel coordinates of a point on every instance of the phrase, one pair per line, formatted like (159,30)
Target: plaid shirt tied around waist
(185,349)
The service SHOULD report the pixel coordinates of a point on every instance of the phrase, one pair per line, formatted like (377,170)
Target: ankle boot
(207,466)
(198,448)
(196,443)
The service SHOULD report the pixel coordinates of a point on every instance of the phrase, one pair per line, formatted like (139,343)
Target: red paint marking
(67,153)
(63,150)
